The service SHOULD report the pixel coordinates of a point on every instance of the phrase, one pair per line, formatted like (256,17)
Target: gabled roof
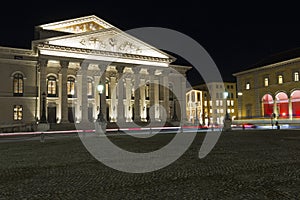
(78,25)
(104,39)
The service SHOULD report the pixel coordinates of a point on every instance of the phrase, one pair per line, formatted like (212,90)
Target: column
(64,97)
(96,97)
(151,72)
(78,110)
(143,99)
(59,106)
(183,104)
(43,81)
(290,108)
(275,107)
(166,105)
(120,109)
(156,99)
(137,105)
(84,96)
(103,96)
(113,103)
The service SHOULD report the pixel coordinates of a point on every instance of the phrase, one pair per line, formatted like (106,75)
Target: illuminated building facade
(272,86)
(67,62)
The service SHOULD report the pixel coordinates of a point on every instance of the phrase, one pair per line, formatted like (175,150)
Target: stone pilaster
(43,81)
(166,105)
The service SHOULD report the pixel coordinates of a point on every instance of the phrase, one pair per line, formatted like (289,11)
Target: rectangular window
(296,76)
(232,102)
(205,103)
(232,110)
(228,102)
(280,79)
(210,110)
(221,110)
(210,103)
(247,86)
(228,110)
(221,102)
(90,89)
(266,82)
(217,102)
(18,112)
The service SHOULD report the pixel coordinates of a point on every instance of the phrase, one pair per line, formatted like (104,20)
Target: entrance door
(52,114)
(71,114)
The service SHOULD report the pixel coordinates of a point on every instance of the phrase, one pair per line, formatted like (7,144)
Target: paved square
(243,165)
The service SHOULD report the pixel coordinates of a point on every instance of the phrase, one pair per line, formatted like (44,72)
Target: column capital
(136,70)
(64,63)
(84,65)
(165,72)
(120,69)
(151,71)
(43,62)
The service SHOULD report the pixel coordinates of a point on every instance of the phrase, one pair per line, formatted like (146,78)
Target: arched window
(295,98)
(51,86)
(282,101)
(268,104)
(90,87)
(248,86)
(71,87)
(18,84)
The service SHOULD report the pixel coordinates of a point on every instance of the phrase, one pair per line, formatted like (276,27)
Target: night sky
(235,36)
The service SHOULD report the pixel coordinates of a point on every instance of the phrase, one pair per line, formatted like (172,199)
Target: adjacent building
(271,88)
(214,99)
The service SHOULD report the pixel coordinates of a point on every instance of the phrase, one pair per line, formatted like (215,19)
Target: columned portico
(131,71)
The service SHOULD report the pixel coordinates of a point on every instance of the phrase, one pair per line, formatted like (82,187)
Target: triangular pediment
(107,41)
(78,25)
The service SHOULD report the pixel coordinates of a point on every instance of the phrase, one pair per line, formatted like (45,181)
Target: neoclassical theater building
(271,87)
(67,62)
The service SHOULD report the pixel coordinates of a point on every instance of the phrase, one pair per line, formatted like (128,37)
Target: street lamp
(100,89)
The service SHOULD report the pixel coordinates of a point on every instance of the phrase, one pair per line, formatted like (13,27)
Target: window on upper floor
(296,76)
(18,84)
(71,87)
(90,88)
(51,86)
(266,81)
(248,86)
(280,79)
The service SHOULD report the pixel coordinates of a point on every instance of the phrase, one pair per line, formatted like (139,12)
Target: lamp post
(100,89)
(226,106)
(100,122)
(227,120)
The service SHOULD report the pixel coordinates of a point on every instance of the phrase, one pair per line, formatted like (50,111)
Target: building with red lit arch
(271,88)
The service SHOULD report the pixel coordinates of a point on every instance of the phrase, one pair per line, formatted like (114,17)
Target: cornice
(102,53)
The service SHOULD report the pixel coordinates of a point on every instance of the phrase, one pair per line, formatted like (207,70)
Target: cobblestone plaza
(249,164)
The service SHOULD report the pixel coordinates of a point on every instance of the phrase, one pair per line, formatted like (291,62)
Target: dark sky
(235,36)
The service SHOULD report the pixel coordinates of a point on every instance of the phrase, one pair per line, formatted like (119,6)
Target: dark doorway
(71,114)
(51,114)
(148,114)
(107,114)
